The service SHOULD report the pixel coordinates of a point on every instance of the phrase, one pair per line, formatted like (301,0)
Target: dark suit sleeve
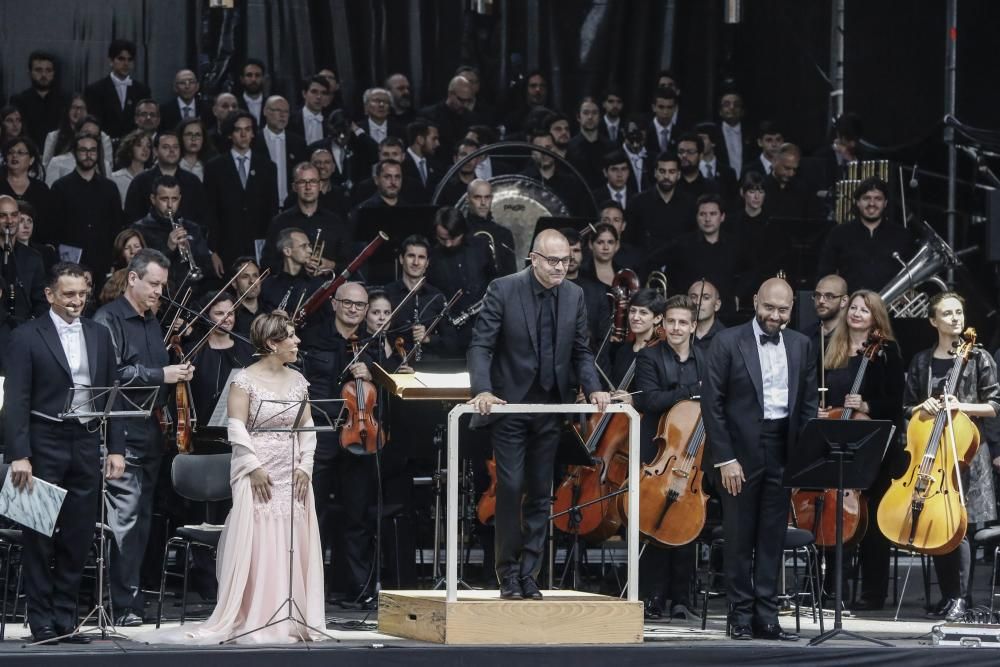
(485,335)
(887,401)
(583,358)
(713,398)
(656,394)
(17,395)
(810,399)
(136,200)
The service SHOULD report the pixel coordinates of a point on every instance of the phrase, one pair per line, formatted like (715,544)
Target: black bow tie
(770,338)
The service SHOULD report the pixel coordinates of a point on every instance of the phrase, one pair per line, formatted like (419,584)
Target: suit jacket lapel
(748,348)
(792,358)
(51,338)
(528,308)
(90,339)
(565,319)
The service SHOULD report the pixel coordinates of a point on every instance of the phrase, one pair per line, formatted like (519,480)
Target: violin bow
(204,339)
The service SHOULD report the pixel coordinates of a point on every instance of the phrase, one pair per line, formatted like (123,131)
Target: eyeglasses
(379,101)
(827,296)
(352,305)
(553,262)
(307,182)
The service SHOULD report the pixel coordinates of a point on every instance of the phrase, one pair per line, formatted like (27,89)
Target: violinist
(880,397)
(705,298)
(218,357)
(665,374)
(248,288)
(326,366)
(379,309)
(976,395)
(142,361)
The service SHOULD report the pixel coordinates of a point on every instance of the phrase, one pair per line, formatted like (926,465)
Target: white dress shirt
(636,159)
(254,104)
(75,348)
(709,168)
(659,133)
(484,169)
(774,374)
(768,167)
(378,132)
(312,123)
(182,105)
(276,148)
(620,196)
(121,87)
(733,134)
(613,128)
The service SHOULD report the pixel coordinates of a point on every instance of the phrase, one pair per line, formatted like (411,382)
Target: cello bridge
(680,473)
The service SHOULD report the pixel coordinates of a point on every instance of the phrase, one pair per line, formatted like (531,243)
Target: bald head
(705,297)
(773,303)
(550,247)
(346,310)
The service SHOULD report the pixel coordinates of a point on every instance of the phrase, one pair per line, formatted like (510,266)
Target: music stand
(263,426)
(80,404)
(839,454)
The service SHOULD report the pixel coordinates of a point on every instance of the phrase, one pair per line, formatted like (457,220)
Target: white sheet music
(444,380)
(37,509)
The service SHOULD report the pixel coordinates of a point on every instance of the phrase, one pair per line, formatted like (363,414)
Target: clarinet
(416,320)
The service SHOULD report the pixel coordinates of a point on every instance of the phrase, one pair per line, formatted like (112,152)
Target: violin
(399,345)
(360,433)
(185,419)
(923,509)
(816,511)
(671,500)
(486,508)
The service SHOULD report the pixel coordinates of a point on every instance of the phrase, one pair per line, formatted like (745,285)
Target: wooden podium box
(482,617)
(424,386)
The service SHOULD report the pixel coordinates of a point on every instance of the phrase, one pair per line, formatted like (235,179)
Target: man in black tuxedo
(759,392)
(661,132)
(530,339)
(308,120)
(611,125)
(240,185)
(186,103)
(618,185)
(47,356)
(113,99)
(253,77)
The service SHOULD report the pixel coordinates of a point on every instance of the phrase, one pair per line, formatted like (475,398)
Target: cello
(816,511)
(671,500)
(924,510)
(486,508)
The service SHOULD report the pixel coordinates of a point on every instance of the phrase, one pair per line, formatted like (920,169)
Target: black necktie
(546,345)
(770,338)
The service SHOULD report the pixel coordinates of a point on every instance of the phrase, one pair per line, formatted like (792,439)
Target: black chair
(10,552)
(201,479)
(987,538)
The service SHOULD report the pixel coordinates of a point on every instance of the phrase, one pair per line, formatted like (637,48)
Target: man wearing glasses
(829,299)
(530,338)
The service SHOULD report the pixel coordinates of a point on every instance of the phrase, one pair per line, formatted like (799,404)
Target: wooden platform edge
(482,617)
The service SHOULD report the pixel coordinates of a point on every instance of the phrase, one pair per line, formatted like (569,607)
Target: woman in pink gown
(268,469)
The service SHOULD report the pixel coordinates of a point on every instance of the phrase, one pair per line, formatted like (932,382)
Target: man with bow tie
(759,392)
(47,356)
(113,99)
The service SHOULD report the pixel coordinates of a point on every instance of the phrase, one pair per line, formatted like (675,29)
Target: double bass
(671,500)
(816,511)
(923,509)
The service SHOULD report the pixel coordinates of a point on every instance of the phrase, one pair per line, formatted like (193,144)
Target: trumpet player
(296,281)
(181,240)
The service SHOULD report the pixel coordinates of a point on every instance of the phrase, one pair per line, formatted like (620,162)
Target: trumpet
(318,247)
(184,248)
(657,280)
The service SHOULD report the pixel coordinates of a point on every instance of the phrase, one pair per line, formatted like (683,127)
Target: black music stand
(839,454)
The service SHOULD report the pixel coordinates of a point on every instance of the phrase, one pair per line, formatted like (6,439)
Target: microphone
(914,183)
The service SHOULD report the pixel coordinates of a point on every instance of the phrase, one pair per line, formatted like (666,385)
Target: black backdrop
(894,50)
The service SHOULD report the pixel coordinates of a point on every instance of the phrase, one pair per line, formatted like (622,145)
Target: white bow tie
(76,327)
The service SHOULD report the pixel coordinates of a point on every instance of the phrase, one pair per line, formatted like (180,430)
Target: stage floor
(670,642)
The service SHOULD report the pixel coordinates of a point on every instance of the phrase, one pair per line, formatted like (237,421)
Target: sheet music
(443,380)
(221,412)
(37,509)
(70,253)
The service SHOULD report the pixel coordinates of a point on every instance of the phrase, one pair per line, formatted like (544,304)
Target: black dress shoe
(129,619)
(741,632)
(955,611)
(938,610)
(72,639)
(529,588)
(510,588)
(44,635)
(868,605)
(774,631)
(653,609)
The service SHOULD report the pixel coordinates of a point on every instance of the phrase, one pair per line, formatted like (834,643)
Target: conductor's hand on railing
(601,399)
(114,467)
(484,401)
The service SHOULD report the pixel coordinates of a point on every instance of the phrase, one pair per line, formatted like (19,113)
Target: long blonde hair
(838,351)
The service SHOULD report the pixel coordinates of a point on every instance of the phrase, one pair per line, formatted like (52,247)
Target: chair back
(202,478)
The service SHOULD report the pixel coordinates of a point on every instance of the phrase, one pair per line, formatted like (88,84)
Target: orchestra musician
(530,337)
(297,279)
(142,362)
(978,396)
(47,356)
(248,289)
(759,391)
(414,258)
(665,374)
(706,300)
(880,397)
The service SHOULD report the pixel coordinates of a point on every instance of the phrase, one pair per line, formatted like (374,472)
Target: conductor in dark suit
(47,356)
(241,185)
(759,392)
(529,341)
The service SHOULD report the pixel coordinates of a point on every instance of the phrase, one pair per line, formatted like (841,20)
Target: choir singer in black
(47,356)
(530,339)
(759,391)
